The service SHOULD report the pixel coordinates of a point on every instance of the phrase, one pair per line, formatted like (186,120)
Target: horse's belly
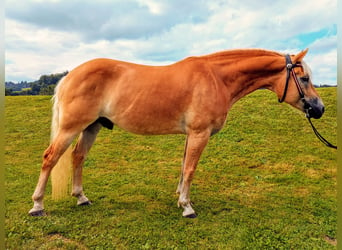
(146,125)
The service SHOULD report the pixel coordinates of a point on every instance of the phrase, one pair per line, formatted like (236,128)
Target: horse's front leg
(180,184)
(196,142)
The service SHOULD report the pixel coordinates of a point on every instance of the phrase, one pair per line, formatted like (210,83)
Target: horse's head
(298,90)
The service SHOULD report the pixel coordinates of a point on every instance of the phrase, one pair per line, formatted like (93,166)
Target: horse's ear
(299,57)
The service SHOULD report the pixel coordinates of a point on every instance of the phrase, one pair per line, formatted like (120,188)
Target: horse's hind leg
(51,155)
(82,147)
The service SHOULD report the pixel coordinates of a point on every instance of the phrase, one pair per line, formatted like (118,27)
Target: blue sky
(307,38)
(51,36)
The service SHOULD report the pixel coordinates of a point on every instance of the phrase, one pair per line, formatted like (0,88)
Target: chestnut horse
(192,97)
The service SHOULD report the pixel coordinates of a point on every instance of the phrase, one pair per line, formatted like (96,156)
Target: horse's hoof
(86,203)
(188,212)
(190,216)
(37,213)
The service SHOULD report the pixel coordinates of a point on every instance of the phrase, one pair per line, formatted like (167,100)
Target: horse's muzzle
(314,108)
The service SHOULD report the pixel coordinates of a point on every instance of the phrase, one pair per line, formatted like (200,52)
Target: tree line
(44,86)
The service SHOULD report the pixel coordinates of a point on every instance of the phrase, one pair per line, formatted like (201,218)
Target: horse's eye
(305,79)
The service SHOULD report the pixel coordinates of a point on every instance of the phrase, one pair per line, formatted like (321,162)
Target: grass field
(264,182)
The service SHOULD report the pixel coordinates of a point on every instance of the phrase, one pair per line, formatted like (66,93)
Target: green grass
(264,182)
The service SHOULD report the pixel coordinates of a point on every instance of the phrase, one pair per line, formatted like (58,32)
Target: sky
(53,36)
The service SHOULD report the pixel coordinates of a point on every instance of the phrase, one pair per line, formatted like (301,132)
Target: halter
(290,71)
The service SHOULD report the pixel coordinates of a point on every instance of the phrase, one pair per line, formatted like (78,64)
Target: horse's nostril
(314,111)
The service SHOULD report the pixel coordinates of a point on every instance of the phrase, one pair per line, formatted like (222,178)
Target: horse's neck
(247,73)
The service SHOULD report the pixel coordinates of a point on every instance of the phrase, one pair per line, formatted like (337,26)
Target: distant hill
(17,86)
(44,86)
(325,86)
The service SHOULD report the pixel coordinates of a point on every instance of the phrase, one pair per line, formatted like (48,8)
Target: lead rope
(289,69)
(320,137)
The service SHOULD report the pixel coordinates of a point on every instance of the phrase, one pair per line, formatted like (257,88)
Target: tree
(35,88)
(8,91)
(47,90)
(43,86)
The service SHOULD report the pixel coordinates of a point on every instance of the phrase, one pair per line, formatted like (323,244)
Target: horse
(191,97)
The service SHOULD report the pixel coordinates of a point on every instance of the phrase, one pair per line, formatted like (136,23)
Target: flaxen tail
(61,173)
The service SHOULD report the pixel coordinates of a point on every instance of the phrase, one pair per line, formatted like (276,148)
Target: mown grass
(263,182)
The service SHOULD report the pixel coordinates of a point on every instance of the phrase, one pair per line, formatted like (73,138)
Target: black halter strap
(290,71)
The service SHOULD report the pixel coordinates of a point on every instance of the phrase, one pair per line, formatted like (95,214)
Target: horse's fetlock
(183,202)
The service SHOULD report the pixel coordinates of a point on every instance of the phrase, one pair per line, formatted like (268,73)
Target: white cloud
(109,20)
(50,37)
(324,66)
(155,7)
